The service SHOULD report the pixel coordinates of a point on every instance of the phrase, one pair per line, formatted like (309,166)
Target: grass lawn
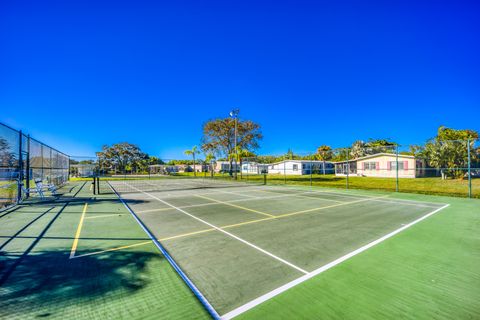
(437,186)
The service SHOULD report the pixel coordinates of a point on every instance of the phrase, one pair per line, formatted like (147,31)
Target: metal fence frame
(25,169)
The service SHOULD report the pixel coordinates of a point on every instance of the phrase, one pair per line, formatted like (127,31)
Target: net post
(396,169)
(469,170)
(94,183)
(264,179)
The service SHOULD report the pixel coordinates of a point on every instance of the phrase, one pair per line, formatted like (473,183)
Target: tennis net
(136,184)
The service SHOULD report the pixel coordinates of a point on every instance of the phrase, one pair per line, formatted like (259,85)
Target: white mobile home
(382,165)
(300,167)
(224,166)
(250,167)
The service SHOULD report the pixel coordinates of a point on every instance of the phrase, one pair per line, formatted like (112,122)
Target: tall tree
(324,153)
(193,152)
(219,137)
(357,150)
(448,151)
(121,156)
(7,157)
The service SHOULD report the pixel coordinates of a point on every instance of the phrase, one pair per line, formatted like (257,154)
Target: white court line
(228,233)
(394,201)
(324,268)
(242,200)
(361,195)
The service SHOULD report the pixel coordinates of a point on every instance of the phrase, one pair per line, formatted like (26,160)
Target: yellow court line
(234,205)
(300,196)
(112,249)
(228,226)
(186,234)
(267,219)
(105,216)
(79,230)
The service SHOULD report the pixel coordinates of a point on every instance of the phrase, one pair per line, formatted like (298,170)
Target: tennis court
(242,244)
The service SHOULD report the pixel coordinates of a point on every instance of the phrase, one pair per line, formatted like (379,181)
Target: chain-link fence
(24,160)
(437,167)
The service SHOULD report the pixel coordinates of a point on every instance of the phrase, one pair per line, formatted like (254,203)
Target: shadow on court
(50,279)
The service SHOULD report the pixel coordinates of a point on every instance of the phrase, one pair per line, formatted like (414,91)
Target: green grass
(435,185)
(429,271)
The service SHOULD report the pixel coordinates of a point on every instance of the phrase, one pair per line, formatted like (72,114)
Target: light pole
(234,114)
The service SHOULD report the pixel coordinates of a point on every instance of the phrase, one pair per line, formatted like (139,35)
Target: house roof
(376,155)
(302,161)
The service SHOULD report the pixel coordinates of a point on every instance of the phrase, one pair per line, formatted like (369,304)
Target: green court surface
(42,277)
(252,251)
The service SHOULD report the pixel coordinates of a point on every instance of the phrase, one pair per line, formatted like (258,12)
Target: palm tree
(324,153)
(194,151)
(209,159)
(239,156)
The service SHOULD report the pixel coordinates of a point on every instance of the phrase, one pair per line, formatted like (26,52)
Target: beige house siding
(385,167)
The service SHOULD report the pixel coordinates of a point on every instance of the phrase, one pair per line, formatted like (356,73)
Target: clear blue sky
(80,74)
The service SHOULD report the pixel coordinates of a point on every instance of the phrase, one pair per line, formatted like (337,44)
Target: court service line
(261,220)
(111,249)
(285,287)
(143,243)
(230,201)
(104,216)
(236,206)
(359,195)
(79,230)
(300,195)
(213,229)
(230,234)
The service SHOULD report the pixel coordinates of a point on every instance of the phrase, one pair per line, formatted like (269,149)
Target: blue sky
(80,74)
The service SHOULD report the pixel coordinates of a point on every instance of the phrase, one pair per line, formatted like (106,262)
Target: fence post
(469,170)
(396,169)
(20,168)
(285,169)
(348,165)
(27,169)
(311,170)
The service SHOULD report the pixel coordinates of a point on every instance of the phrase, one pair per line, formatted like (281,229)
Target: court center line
(236,206)
(229,234)
(79,230)
(261,220)
(285,287)
(230,201)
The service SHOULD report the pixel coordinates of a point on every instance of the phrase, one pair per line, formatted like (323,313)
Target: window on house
(295,167)
(393,165)
(370,165)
